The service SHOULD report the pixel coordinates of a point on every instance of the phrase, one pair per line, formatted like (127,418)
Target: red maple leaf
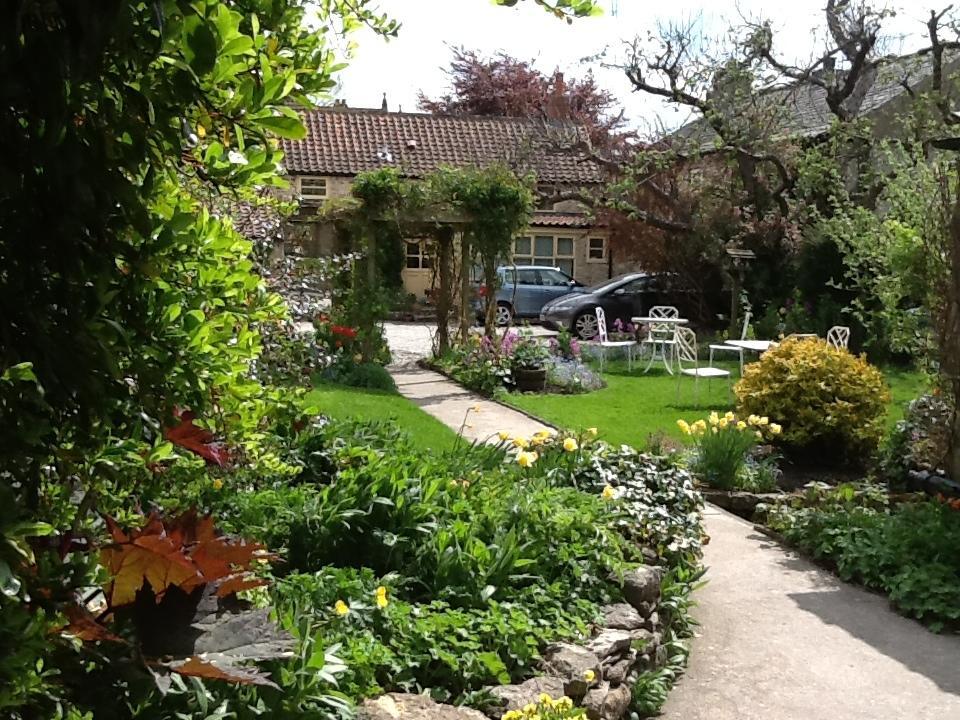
(196,439)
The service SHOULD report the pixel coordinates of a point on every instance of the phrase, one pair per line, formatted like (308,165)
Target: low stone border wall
(597,674)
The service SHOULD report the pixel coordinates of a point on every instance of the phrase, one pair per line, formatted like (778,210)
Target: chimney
(557,107)
(383,105)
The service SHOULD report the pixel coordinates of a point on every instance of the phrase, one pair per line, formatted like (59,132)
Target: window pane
(527,260)
(552,278)
(546,262)
(521,246)
(543,246)
(565,247)
(527,277)
(413,262)
(566,266)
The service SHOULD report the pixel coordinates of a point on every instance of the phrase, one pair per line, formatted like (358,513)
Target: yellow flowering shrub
(824,398)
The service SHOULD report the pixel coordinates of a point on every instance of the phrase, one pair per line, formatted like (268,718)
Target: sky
(416,59)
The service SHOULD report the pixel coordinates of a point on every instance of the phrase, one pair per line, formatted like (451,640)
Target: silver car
(524,289)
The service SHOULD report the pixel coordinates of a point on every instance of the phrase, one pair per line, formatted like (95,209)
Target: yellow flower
(754,419)
(503,435)
(521,442)
(217,483)
(512,715)
(529,709)
(730,417)
(201,132)
(341,608)
(526,459)
(537,441)
(608,493)
(759,435)
(542,434)
(699,427)
(714,419)
(589,676)
(684,426)
(723,423)
(564,703)
(592,432)
(570,445)
(741,425)
(544,699)
(775,429)
(763,421)
(382,601)
(358,358)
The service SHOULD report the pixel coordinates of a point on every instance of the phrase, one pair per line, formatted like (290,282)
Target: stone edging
(597,674)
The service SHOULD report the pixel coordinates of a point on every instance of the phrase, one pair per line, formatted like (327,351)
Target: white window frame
(555,258)
(603,248)
(312,194)
(423,254)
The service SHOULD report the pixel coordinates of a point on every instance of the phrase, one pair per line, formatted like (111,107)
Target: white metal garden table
(664,343)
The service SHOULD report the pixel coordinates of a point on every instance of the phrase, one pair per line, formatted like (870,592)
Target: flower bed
(490,366)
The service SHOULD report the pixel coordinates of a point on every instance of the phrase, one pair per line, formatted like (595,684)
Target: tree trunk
(950,342)
(444,260)
(490,281)
(465,290)
(366,343)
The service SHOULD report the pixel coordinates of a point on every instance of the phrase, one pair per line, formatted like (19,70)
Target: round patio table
(662,344)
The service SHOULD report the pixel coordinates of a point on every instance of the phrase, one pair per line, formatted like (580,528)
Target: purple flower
(618,325)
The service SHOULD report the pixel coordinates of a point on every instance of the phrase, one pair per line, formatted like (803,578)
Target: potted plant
(529,363)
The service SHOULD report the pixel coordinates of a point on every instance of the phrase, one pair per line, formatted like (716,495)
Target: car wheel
(585,326)
(504,315)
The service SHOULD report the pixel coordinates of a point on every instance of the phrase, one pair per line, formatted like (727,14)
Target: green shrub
(827,400)
(919,441)
(907,551)
(361,375)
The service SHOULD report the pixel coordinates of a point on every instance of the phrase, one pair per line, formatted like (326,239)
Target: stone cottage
(342,142)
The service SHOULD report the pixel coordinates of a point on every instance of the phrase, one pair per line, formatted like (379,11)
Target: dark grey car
(622,298)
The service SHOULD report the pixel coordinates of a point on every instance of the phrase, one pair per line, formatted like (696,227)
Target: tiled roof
(345,141)
(561,220)
(803,109)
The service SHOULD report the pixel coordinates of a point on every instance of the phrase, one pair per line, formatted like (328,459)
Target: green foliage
(827,400)
(919,442)
(907,550)
(361,375)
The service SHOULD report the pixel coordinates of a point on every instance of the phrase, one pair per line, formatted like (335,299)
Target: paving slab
(461,410)
(782,639)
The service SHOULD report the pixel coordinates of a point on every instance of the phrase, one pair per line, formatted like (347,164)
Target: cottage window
(597,249)
(546,250)
(419,256)
(312,187)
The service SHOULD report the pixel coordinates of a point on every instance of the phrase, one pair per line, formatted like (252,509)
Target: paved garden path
(781,639)
(480,419)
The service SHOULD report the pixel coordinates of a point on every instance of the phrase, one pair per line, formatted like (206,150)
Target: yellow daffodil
(723,423)
(759,435)
(699,427)
(714,430)
(570,445)
(714,419)
(544,699)
(526,459)
(589,676)
(542,434)
(775,429)
(503,435)
(341,608)
(592,432)
(382,601)
(684,426)
(608,493)
(730,417)
(754,420)
(763,421)
(741,425)
(217,483)
(521,442)
(537,441)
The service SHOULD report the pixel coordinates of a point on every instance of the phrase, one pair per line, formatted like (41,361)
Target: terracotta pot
(530,379)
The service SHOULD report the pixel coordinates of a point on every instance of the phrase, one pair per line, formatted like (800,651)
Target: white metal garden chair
(839,337)
(687,352)
(720,347)
(661,336)
(604,341)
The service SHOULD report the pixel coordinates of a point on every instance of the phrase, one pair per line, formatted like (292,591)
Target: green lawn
(338,401)
(633,406)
